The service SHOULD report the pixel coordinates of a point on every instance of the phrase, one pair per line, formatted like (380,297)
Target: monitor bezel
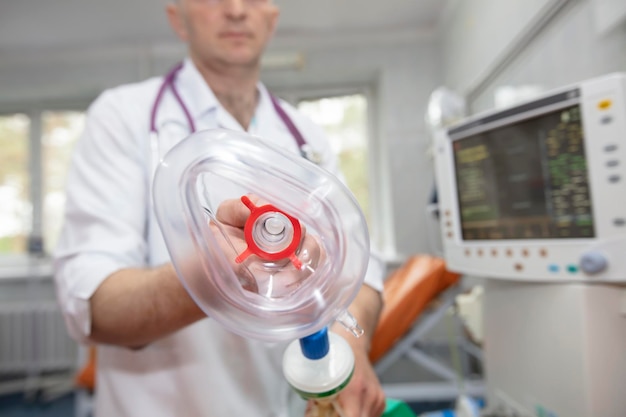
(508,117)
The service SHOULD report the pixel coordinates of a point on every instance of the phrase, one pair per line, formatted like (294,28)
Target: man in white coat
(158,353)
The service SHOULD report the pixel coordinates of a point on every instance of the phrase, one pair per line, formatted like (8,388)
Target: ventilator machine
(533,198)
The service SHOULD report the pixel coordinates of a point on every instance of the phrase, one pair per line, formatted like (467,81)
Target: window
(60,130)
(36,149)
(344,119)
(16,209)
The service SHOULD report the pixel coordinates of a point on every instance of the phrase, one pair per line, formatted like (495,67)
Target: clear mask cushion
(267,243)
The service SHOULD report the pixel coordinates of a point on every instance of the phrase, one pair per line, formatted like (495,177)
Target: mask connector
(348,321)
(271,234)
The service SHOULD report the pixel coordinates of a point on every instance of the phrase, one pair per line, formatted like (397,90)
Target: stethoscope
(168,82)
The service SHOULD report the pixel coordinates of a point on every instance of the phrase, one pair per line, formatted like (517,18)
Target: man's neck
(234,87)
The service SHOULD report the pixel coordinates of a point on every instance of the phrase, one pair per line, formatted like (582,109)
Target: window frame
(34,256)
(381,223)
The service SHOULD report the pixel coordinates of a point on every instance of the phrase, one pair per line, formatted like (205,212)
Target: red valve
(253,248)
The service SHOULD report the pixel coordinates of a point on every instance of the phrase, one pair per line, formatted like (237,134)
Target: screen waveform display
(526,180)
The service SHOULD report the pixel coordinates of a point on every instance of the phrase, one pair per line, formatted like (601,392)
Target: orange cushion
(86,376)
(407,292)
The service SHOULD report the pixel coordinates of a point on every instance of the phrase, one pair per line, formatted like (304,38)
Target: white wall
(518,48)
(401,74)
(54,75)
(475,33)
(570,50)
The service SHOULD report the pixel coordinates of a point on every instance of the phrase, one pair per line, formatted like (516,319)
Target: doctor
(159,355)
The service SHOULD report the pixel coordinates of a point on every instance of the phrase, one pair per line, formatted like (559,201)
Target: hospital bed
(419,296)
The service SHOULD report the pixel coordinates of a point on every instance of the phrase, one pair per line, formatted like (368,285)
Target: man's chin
(243,61)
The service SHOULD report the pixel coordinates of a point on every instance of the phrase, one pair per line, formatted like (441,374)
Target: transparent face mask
(267,243)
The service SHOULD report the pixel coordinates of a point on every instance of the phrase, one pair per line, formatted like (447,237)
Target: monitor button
(610,148)
(553,268)
(572,269)
(604,104)
(593,262)
(606,120)
(615,178)
(619,222)
(612,163)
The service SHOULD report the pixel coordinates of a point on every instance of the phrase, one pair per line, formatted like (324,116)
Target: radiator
(33,340)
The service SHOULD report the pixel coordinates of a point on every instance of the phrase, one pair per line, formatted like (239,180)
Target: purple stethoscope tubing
(168,81)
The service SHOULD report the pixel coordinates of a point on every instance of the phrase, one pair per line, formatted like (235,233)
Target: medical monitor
(538,191)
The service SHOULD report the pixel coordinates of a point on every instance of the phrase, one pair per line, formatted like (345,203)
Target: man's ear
(274,14)
(177,20)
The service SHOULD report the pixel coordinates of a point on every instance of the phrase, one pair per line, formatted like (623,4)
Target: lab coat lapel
(201,101)
(194,91)
(209,113)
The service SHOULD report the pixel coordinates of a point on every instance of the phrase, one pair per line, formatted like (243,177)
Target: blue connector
(315,346)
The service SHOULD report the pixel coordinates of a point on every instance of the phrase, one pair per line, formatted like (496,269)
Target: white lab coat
(203,369)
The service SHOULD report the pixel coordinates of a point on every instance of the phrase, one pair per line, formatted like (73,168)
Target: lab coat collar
(195,92)
(265,118)
(200,100)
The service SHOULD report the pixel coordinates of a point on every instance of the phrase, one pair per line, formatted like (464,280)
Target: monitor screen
(526,180)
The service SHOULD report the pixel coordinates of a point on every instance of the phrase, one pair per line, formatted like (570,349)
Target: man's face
(231,32)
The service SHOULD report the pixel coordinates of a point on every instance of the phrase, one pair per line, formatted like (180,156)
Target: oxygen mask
(267,243)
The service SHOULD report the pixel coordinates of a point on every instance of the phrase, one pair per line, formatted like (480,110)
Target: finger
(369,400)
(233,213)
(351,403)
(229,237)
(373,404)
(231,241)
(310,407)
(311,250)
(374,400)
(363,397)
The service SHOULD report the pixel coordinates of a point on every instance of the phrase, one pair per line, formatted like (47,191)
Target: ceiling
(42,24)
